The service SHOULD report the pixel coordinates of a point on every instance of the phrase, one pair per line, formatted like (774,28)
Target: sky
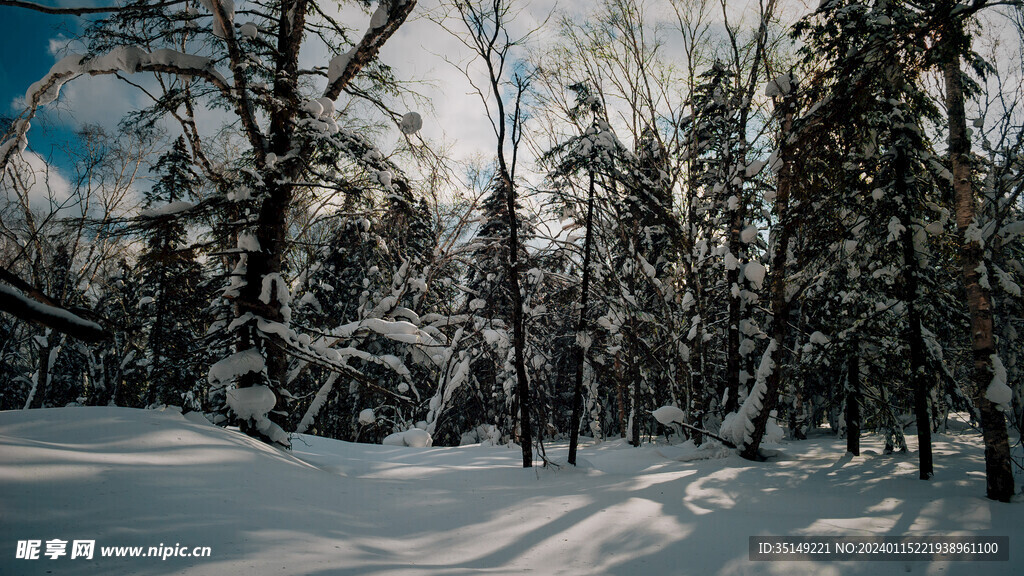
(30,44)
(420,50)
(25,45)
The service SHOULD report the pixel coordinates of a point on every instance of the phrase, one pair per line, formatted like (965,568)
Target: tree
(282,125)
(751,422)
(598,153)
(60,244)
(172,280)
(999,477)
(487,36)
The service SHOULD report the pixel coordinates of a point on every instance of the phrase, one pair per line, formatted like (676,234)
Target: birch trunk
(999,478)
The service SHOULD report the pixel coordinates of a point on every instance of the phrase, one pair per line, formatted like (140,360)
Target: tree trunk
(620,394)
(697,405)
(42,380)
(853,399)
(518,328)
(732,281)
(634,414)
(999,477)
(779,303)
(581,330)
(915,339)
(156,334)
(696,400)
(271,220)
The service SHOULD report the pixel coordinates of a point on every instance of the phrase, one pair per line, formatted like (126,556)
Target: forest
(719,221)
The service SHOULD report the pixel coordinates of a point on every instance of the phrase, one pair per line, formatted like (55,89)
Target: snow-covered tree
(172,299)
(285,113)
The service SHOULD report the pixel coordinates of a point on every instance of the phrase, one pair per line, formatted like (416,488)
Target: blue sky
(24,43)
(415,52)
(24,58)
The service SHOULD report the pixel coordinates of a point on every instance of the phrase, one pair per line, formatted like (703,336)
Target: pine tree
(489,300)
(172,278)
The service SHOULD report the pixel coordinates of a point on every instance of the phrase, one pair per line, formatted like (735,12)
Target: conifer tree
(172,283)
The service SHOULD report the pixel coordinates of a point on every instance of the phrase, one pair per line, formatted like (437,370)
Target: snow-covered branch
(82,10)
(383,24)
(14,302)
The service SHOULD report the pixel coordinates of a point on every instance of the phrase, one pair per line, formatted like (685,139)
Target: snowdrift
(128,478)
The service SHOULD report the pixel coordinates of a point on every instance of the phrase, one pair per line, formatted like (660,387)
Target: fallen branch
(724,442)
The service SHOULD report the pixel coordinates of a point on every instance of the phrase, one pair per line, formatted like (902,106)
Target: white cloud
(47,188)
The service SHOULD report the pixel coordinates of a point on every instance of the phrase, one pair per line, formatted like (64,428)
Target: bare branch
(82,10)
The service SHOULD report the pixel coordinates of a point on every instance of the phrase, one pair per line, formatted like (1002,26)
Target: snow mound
(414,438)
(251,403)
(668,414)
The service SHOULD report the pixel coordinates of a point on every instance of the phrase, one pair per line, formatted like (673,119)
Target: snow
(754,272)
(584,340)
(249,30)
(228,7)
(780,86)
(380,16)
(818,338)
(669,414)
(895,229)
(46,90)
(129,477)
(1006,282)
(738,426)
(251,403)
(1012,229)
(129,59)
(411,123)
(313,108)
(168,209)
(275,288)
(754,168)
(413,438)
(731,263)
(247,242)
(746,347)
(998,392)
(337,65)
(327,106)
(235,365)
(367,417)
(495,338)
(51,315)
(397,330)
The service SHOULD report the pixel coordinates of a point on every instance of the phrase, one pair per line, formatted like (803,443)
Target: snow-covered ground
(127,477)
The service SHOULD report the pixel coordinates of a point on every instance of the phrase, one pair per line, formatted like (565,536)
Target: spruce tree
(172,277)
